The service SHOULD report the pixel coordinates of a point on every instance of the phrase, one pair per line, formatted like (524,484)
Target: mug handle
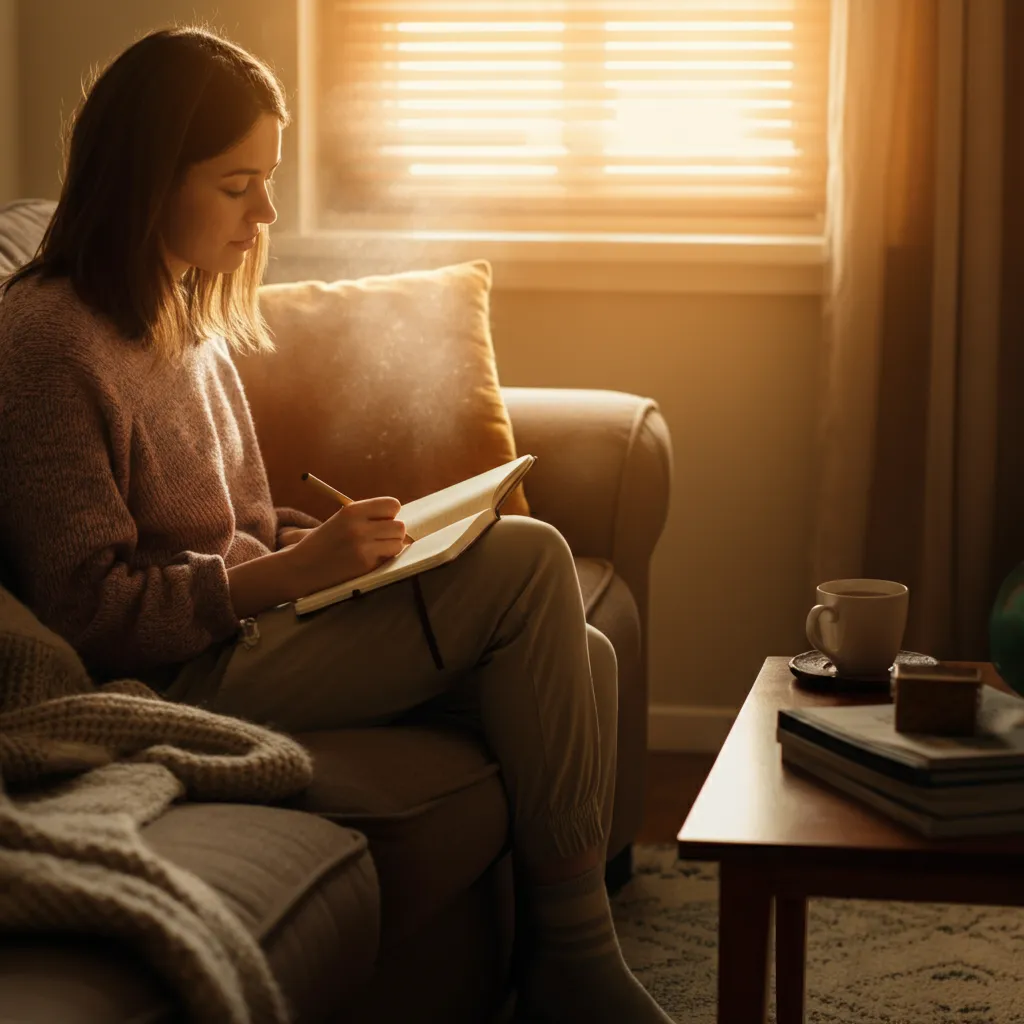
(813,628)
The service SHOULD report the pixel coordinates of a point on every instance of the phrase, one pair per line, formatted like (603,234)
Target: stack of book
(940,786)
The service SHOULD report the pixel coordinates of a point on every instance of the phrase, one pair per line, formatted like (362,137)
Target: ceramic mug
(859,624)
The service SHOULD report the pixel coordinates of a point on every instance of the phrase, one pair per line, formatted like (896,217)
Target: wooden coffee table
(780,837)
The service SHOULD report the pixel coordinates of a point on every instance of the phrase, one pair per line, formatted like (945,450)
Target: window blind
(530,113)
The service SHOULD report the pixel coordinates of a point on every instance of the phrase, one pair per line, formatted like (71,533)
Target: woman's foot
(576,973)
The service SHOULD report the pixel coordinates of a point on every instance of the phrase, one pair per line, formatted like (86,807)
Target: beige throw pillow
(383,385)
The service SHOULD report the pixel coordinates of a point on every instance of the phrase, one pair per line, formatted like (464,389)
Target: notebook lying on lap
(443,524)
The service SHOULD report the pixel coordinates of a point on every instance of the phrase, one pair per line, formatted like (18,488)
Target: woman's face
(215,215)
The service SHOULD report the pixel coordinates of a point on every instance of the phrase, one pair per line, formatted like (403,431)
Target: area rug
(867,962)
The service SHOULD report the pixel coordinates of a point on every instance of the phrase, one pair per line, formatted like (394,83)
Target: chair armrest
(603,472)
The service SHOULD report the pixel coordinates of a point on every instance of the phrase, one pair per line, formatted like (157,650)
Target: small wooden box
(940,700)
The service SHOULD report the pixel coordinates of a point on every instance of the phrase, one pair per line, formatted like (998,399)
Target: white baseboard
(688,730)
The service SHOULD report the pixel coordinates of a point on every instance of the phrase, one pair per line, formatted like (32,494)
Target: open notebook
(443,524)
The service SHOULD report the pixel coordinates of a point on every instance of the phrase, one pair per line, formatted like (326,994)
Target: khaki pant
(520,664)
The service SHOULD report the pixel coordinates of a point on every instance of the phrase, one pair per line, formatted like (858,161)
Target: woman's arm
(265,582)
(71,541)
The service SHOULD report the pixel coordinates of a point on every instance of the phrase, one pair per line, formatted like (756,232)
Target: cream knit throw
(82,767)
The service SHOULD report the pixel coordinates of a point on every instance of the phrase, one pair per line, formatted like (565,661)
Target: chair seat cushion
(429,799)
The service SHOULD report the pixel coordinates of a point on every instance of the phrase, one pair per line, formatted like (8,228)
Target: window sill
(568,261)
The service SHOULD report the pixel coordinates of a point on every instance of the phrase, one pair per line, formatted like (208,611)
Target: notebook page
(447,506)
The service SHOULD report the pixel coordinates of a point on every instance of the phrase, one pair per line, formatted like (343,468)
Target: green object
(1006,630)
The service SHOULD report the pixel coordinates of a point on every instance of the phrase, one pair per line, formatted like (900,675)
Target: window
(621,115)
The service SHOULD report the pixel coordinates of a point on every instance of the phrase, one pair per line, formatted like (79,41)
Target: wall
(10,170)
(735,376)
(62,40)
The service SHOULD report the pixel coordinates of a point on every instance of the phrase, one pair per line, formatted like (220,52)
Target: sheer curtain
(910,399)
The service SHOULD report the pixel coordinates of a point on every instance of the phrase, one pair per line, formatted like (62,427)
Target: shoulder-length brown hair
(174,98)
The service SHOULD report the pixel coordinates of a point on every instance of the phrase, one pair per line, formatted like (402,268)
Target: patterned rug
(867,962)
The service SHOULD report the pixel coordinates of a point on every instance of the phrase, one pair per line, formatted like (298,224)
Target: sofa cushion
(306,888)
(383,385)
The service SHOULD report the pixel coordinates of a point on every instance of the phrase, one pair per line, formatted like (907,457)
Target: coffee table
(781,837)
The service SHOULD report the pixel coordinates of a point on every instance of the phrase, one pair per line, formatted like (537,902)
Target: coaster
(814,671)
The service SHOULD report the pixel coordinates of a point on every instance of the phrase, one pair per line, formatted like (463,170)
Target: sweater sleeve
(69,539)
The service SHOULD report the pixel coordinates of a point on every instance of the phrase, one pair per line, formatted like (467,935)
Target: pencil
(342,499)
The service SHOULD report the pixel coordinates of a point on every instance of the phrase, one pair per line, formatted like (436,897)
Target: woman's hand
(355,540)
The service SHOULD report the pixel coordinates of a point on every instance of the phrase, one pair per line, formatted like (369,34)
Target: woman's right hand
(355,540)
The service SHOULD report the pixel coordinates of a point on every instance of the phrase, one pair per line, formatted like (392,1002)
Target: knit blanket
(82,768)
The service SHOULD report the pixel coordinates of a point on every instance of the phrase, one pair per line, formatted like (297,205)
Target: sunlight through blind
(634,112)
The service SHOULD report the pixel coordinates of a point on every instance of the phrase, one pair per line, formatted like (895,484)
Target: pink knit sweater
(129,485)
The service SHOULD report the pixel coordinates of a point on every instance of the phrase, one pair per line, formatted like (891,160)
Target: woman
(137,520)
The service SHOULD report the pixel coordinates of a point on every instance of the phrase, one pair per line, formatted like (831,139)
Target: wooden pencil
(325,488)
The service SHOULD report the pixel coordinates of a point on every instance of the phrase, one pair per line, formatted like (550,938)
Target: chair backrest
(22,223)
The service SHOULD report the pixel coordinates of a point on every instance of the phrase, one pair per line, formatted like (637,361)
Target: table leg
(744,944)
(790,958)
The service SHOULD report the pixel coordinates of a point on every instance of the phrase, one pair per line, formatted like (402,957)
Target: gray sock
(576,972)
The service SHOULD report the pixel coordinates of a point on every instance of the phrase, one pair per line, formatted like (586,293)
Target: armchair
(383,894)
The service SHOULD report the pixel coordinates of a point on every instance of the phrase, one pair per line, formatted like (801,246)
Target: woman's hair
(174,98)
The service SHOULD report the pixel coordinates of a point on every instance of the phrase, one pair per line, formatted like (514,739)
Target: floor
(673,782)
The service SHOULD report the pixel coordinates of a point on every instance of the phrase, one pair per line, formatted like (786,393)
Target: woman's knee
(528,541)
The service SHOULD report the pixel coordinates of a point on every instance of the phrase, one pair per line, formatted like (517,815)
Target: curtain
(1008,532)
(914,483)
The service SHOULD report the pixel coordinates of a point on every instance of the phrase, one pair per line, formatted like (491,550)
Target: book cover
(867,733)
(911,774)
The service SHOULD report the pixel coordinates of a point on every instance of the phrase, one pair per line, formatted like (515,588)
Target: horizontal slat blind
(630,109)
